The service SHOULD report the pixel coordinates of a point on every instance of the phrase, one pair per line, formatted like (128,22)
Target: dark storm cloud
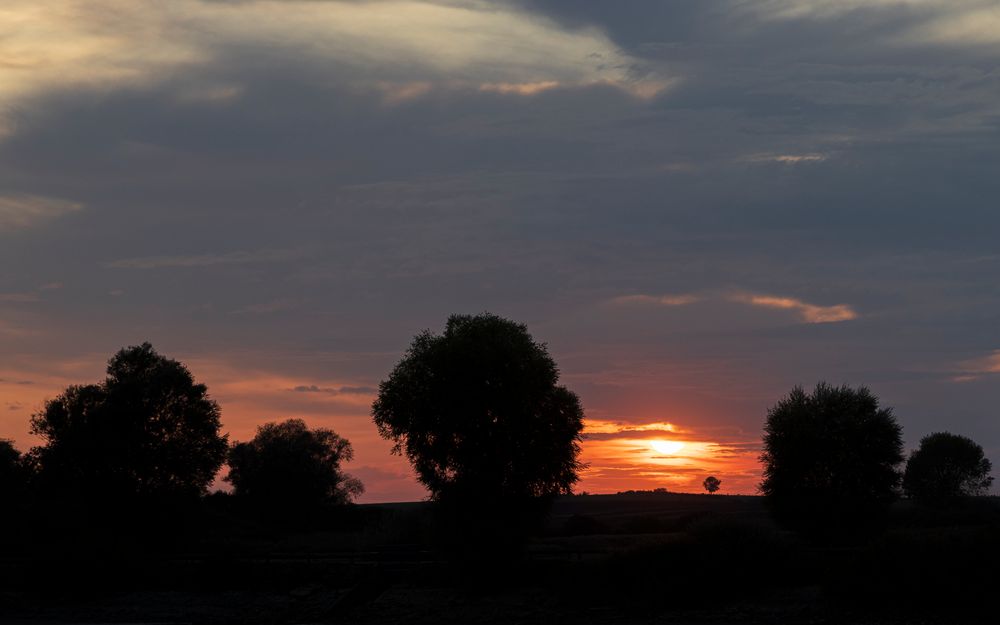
(296,181)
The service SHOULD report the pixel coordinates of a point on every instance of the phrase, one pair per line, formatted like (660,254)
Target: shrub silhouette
(947,467)
(712,484)
(289,465)
(480,415)
(148,430)
(830,453)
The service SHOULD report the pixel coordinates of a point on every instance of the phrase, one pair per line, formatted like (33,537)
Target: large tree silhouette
(147,430)
(289,465)
(478,410)
(833,449)
(947,467)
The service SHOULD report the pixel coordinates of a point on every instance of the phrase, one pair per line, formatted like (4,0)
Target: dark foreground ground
(643,558)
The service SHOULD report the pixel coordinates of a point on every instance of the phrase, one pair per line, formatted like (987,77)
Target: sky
(695,205)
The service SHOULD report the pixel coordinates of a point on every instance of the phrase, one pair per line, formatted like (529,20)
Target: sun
(667,448)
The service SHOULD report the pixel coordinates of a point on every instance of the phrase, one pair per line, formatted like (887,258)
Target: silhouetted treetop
(148,429)
(478,409)
(712,484)
(835,444)
(946,467)
(289,464)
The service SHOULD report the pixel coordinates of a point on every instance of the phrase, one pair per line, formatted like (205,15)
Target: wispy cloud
(682,299)
(787,159)
(810,313)
(205,260)
(330,390)
(976,368)
(23,211)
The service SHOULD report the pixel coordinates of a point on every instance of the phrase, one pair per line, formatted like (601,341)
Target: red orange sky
(620,454)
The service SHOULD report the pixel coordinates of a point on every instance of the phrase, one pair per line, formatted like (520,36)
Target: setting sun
(667,448)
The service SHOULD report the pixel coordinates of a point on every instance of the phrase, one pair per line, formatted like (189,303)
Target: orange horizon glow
(619,455)
(659,454)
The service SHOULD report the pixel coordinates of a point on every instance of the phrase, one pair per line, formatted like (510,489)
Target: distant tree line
(479,412)
(835,455)
(150,433)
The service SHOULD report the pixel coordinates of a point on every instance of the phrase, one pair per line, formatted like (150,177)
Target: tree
(832,450)
(712,484)
(479,413)
(947,467)
(478,409)
(287,464)
(148,430)
(13,472)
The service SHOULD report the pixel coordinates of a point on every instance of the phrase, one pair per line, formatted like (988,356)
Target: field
(630,558)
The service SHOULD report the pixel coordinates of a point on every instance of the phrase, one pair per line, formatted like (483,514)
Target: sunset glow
(690,217)
(667,448)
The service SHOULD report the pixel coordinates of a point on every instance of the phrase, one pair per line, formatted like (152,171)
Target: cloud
(787,159)
(977,368)
(343,390)
(602,430)
(683,299)
(115,44)
(523,88)
(968,23)
(23,211)
(810,313)
(205,260)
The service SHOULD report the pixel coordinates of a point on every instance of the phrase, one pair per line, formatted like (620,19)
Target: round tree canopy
(947,466)
(478,411)
(834,445)
(147,430)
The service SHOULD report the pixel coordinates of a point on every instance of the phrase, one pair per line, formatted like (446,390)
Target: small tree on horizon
(712,484)
(947,467)
(289,464)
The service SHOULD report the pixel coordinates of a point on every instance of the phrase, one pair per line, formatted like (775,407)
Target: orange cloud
(662,455)
(810,313)
(519,88)
(971,370)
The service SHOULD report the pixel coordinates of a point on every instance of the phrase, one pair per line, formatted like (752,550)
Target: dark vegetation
(110,518)
(287,467)
(480,415)
(947,467)
(831,458)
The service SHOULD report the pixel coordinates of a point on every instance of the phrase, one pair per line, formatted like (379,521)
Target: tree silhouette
(13,472)
(833,449)
(712,484)
(147,430)
(946,467)
(287,464)
(478,409)
(480,415)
